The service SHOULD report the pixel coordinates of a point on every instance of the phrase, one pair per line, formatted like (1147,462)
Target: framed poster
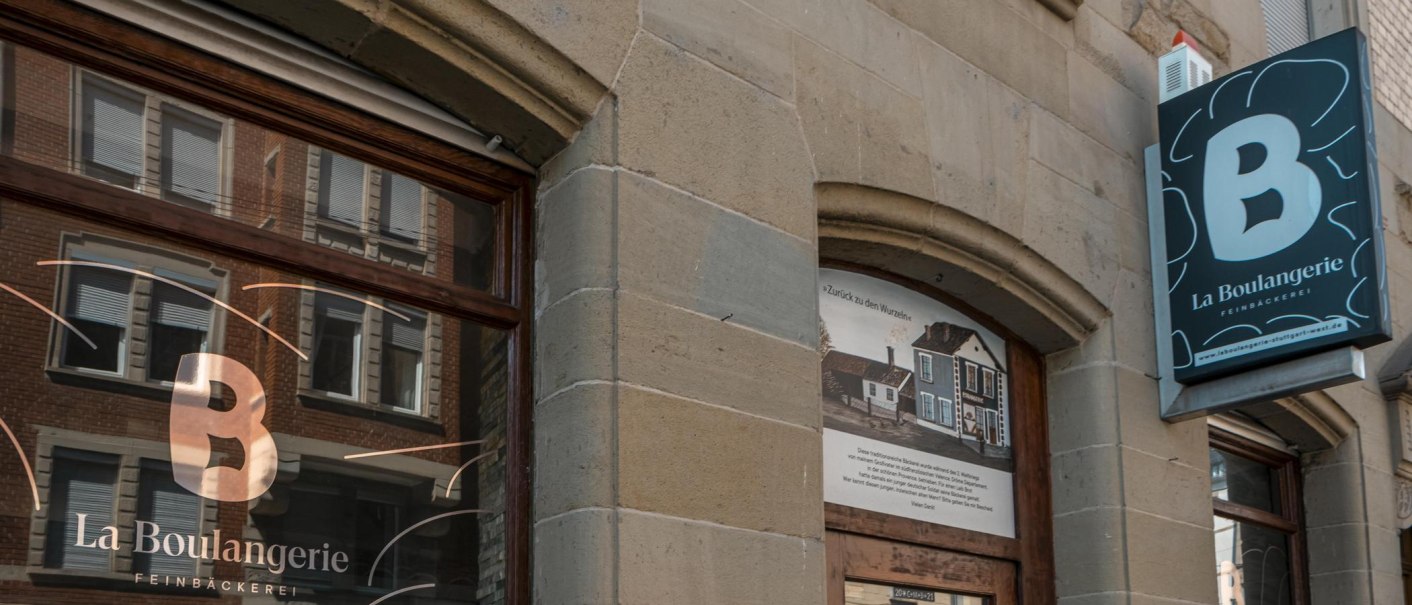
(916,400)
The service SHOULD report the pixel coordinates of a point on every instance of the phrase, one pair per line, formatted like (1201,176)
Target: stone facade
(698,157)
(1390,34)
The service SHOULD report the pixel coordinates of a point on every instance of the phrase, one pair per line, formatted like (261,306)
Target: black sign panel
(1269,183)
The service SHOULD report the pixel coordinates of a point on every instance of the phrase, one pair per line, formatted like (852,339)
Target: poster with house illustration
(916,406)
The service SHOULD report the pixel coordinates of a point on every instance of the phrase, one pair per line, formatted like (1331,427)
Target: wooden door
(873,571)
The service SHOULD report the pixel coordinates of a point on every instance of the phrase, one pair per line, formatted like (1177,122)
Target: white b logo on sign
(193,423)
(1226,189)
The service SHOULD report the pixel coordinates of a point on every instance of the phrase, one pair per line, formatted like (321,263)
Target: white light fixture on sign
(1182,69)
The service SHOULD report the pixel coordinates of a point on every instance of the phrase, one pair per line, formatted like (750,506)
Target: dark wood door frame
(855,557)
(1032,548)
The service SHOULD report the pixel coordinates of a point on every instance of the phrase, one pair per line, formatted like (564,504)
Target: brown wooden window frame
(1290,493)
(120,50)
(1032,548)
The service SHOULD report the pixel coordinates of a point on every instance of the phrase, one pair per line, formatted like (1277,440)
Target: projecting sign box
(1273,230)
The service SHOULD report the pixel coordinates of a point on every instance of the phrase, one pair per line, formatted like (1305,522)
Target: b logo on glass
(193,423)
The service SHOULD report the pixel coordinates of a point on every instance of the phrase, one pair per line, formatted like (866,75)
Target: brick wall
(1390,37)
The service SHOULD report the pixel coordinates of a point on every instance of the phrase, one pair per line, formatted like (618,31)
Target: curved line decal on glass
(331,293)
(452,483)
(373,568)
(400,591)
(29,472)
(50,312)
(412,449)
(181,286)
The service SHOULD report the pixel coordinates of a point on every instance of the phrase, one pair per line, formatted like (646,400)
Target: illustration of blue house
(960,385)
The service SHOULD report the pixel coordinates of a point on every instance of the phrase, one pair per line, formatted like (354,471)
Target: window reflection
(1252,564)
(338,331)
(79,121)
(396,417)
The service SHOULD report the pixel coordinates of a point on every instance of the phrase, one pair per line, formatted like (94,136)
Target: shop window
(366,466)
(1257,521)
(114,143)
(924,363)
(83,486)
(338,336)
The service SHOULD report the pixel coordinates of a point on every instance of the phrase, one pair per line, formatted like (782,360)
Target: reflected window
(191,157)
(1259,558)
(403,342)
(114,143)
(341,186)
(363,515)
(83,487)
(338,337)
(135,309)
(173,510)
(402,208)
(180,324)
(99,304)
(112,131)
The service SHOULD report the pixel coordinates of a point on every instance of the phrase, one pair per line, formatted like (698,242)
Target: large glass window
(1259,549)
(249,367)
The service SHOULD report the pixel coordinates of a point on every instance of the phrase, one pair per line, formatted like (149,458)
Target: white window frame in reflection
(129,456)
(370,350)
(133,364)
(152,177)
(372,236)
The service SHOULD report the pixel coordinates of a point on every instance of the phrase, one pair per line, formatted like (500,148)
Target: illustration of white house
(882,389)
(960,385)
